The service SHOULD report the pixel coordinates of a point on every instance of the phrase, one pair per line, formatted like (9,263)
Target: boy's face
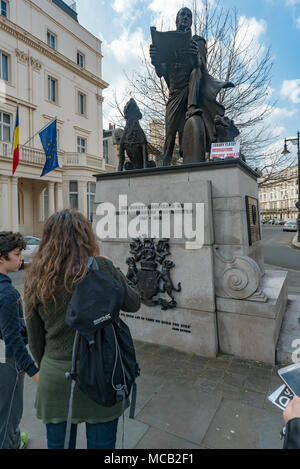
(13,263)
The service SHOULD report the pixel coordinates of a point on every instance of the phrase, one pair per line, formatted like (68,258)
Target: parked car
(263,221)
(279,222)
(290,225)
(32,244)
(271,222)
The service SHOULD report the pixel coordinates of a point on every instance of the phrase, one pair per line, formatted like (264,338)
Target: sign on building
(225,150)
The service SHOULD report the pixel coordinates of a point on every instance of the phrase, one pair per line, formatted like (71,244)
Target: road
(278,250)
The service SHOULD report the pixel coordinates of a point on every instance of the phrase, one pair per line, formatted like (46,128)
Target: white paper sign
(281,397)
(225,150)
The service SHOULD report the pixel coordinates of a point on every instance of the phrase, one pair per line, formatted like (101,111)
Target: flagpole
(31,138)
(13,139)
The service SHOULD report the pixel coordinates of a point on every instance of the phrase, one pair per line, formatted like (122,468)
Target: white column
(4,204)
(51,198)
(82,197)
(59,196)
(14,204)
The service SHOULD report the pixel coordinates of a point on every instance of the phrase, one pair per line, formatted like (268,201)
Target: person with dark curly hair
(16,360)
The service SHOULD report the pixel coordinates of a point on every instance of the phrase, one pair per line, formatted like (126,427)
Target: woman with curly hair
(59,264)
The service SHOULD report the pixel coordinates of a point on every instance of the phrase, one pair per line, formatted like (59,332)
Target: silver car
(290,225)
(32,244)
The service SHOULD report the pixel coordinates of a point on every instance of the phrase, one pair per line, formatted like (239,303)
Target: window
(5,127)
(52,90)
(3,66)
(81,103)
(91,192)
(105,150)
(4,8)
(80,59)
(73,194)
(51,40)
(81,145)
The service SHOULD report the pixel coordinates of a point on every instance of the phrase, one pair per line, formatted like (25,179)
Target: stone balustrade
(35,156)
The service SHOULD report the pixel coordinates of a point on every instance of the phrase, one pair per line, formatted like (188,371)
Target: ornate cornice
(79,129)
(35,64)
(22,57)
(12,99)
(26,37)
(25,59)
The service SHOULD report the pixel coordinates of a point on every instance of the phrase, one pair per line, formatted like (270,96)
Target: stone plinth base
(183,329)
(249,329)
(227,302)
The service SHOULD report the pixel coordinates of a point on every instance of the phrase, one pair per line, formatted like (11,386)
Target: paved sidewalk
(189,402)
(295,242)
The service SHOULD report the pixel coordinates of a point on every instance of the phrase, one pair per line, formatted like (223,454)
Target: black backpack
(104,364)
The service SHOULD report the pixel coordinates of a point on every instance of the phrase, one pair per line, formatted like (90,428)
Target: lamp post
(295,141)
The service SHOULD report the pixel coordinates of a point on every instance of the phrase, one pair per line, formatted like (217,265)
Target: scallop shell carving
(238,278)
(241,279)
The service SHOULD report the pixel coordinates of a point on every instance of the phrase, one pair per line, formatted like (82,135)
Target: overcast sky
(123,25)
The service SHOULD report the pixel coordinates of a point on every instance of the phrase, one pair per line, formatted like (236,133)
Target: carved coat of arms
(153,277)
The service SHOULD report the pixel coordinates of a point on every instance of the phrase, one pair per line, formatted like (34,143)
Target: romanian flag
(16,143)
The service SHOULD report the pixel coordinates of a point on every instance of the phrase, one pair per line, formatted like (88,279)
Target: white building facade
(51,66)
(278,196)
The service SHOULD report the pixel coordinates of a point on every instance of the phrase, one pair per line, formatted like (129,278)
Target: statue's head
(184,19)
(132,111)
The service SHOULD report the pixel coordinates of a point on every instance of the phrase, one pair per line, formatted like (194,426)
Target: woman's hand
(36,377)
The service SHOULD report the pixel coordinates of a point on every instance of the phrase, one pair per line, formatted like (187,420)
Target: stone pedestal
(227,302)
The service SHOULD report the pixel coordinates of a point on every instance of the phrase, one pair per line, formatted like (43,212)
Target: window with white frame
(4,8)
(105,150)
(4,66)
(91,192)
(81,145)
(73,194)
(52,89)
(80,59)
(58,137)
(5,127)
(81,103)
(51,40)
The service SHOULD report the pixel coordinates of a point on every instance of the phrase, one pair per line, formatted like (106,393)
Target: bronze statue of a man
(192,94)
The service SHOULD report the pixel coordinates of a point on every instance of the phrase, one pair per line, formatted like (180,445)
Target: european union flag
(48,138)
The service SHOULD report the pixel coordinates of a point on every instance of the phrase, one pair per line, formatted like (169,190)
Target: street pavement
(279,249)
(189,402)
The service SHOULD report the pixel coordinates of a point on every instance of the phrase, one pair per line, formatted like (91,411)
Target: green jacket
(51,342)
(49,335)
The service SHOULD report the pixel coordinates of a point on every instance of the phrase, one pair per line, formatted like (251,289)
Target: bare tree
(230,57)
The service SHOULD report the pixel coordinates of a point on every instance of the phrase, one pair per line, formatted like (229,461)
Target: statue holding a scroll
(192,106)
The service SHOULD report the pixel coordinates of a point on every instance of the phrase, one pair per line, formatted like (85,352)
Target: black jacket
(12,327)
(292,435)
